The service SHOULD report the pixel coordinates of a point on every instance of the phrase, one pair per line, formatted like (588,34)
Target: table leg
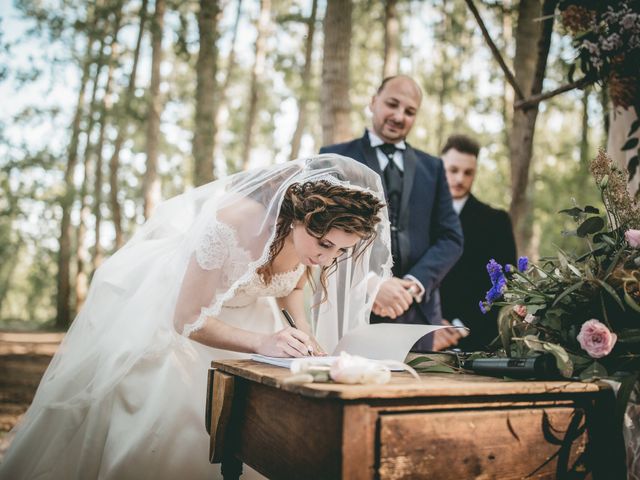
(231,468)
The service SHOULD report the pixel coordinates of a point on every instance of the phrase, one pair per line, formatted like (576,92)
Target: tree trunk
(445,72)
(508,94)
(219,105)
(8,268)
(621,120)
(529,65)
(63,295)
(123,123)
(256,74)
(105,108)
(306,88)
(334,94)
(391,39)
(151,182)
(206,67)
(82,253)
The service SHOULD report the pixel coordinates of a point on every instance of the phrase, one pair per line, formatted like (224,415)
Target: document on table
(380,341)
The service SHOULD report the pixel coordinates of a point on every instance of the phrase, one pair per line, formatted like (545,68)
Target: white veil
(222,231)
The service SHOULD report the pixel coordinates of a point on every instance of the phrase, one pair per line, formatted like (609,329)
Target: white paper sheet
(381,341)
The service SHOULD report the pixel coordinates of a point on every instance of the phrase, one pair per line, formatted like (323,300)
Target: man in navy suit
(426,237)
(487,234)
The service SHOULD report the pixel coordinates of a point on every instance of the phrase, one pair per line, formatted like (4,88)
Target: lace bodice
(220,252)
(281,285)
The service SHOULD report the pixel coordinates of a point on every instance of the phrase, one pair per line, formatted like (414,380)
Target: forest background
(110,106)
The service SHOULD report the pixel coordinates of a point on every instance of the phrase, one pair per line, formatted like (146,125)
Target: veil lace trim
(222,239)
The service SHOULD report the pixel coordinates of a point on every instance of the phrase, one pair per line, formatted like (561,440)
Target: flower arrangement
(607,38)
(583,309)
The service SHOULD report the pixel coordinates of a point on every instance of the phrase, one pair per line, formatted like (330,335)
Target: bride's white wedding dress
(124,396)
(151,425)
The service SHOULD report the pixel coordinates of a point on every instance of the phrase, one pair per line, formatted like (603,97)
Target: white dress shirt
(398,159)
(458,203)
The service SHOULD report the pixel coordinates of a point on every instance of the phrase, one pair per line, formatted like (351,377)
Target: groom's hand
(446,337)
(393,298)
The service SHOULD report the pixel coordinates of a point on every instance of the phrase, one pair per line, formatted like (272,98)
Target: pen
(290,321)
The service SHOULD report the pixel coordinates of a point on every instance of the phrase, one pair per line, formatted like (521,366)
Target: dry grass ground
(24,357)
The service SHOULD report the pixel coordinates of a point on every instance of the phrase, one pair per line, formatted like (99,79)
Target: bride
(203,279)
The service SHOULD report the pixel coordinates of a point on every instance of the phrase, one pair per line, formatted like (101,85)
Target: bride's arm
(195,293)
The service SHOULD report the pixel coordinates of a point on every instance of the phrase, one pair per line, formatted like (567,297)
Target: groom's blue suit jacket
(430,235)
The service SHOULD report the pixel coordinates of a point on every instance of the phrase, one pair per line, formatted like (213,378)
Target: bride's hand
(317,349)
(288,342)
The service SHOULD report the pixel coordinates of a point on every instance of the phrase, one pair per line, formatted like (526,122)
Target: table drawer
(483,444)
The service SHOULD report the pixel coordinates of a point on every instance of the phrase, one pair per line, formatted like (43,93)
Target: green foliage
(583,309)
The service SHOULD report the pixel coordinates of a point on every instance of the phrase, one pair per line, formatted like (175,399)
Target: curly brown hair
(321,206)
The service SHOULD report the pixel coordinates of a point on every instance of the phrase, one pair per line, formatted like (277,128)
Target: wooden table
(443,427)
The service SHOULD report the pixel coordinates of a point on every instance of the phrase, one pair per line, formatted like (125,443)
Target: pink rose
(520,310)
(596,339)
(633,238)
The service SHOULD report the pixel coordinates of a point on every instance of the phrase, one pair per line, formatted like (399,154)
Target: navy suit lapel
(369,154)
(409,160)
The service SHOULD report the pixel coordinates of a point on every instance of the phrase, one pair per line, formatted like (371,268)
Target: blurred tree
(104,111)
(151,182)
(391,39)
(82,252)
(63,298)
(122,117)
(305,94)
(206,68)
(263,27)
(334,91)
(222,101)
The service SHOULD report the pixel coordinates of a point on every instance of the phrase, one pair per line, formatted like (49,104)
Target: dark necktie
(393,181)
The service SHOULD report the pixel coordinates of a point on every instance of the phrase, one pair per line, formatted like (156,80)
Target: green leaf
(533,308)
(505,322)
(630,144)
(567,291)
(435,369)
(609,289)
(589,226)
(629,335)
(563,362)
(622,397)
(593,372)
(634,126)
(575,270)
(631,302)
(613,263)
(574,212)
(590,209)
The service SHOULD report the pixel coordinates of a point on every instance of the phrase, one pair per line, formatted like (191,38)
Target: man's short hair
(384,82)
(392,77)
(463,144)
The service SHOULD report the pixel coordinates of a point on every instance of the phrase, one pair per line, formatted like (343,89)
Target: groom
(426,237)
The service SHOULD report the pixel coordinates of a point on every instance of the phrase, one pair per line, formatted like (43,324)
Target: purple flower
(495,271)
(523,264)
(483,309)
(496,291)
(508,267)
